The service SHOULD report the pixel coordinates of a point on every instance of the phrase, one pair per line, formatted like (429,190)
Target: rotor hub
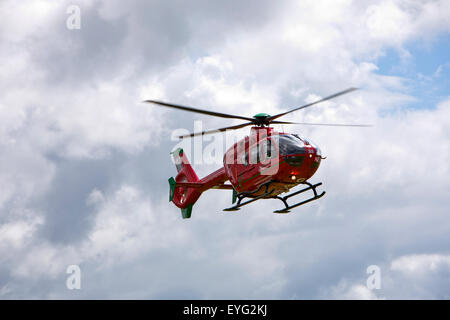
(261,119)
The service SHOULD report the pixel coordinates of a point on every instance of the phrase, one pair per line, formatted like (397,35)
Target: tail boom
(186,187)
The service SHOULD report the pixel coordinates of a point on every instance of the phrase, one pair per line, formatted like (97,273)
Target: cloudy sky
(84,164)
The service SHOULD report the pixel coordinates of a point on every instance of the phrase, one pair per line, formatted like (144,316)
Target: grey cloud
(144,36)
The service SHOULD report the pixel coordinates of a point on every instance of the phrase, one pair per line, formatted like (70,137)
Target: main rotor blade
(190,109)
(239,126)
(315,102)
(323,124)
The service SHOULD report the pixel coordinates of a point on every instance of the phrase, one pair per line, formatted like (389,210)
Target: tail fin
(183,197)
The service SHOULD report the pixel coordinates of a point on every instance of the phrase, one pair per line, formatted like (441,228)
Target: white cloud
(421,263)
(409,276)
(347,291)
(15,235)
(127,226)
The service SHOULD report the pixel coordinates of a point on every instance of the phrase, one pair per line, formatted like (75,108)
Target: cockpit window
(309,143)
(289,144)
(303,139)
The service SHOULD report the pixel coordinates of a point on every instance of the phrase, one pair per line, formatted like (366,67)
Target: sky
(85,163)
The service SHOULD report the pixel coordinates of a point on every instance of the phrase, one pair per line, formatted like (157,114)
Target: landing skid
(241,196)
(310,187)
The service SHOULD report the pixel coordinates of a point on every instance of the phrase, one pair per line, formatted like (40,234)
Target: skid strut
(246,194)
(310,187)
(267,193)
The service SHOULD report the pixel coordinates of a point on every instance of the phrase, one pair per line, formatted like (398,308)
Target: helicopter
(264,165)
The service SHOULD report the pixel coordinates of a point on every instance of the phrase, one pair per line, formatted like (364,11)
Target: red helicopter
(263,165)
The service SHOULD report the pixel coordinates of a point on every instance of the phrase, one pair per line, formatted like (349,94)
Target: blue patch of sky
(427,70)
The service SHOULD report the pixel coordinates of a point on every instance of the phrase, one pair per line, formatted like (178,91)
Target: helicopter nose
(314,152)
(316,158)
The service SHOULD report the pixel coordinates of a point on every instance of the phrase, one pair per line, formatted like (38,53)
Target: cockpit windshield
(289,144)
(309,142)
(295,144)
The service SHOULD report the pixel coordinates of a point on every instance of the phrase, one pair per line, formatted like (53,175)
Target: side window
(244,158)
(254,155)
(268,149)
(271,152)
